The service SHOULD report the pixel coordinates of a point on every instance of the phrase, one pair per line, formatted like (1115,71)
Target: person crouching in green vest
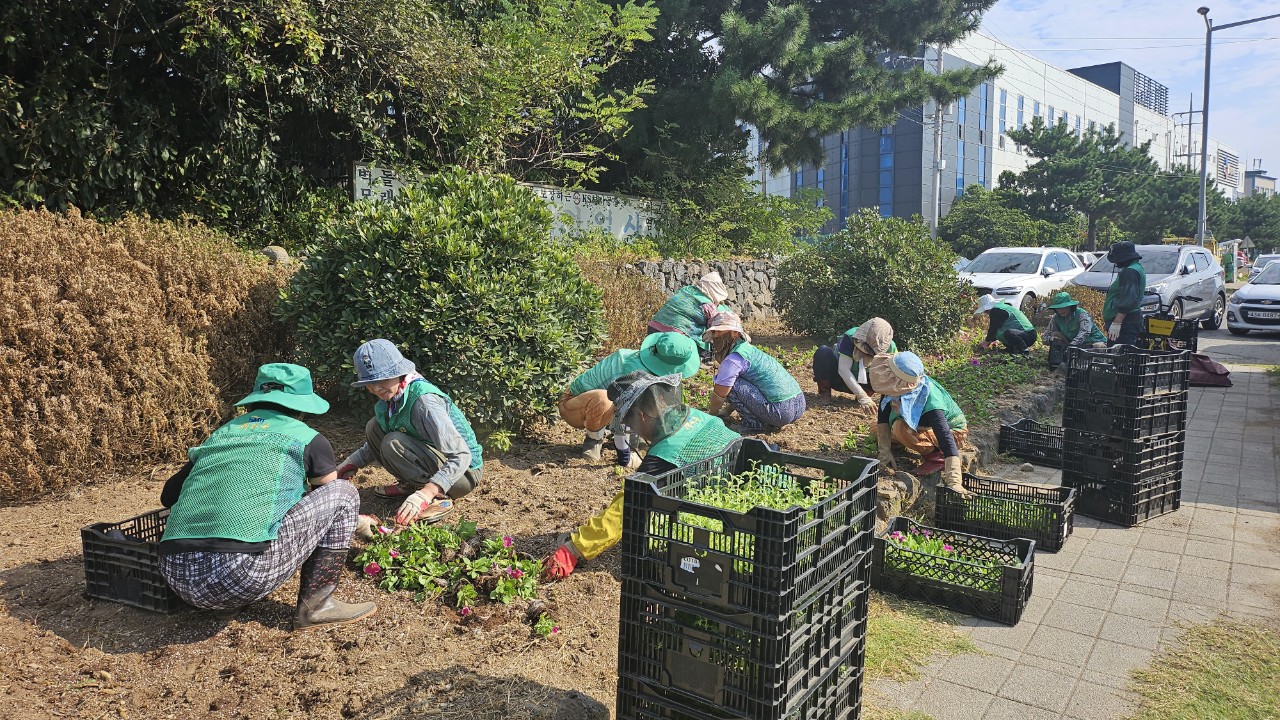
(690,308)
(1070,326)
(844,367)
(920,415)
(1007,324)
(677,434)
(417,434)
(750,380)
(660,354)
(240,520)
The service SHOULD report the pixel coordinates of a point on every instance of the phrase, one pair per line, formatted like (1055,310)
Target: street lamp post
(1202,223)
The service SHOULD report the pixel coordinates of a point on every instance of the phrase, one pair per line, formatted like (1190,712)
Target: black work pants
(1017,341)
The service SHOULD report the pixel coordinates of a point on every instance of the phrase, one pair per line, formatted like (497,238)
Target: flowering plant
(941,556)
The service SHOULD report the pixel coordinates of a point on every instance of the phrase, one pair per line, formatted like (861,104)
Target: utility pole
(1191,153)
(937,158)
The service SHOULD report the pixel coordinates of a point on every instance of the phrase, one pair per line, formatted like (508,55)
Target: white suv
(1021,275)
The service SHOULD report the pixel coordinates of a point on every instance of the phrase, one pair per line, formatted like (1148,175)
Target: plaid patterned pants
(758,414)
(324,517)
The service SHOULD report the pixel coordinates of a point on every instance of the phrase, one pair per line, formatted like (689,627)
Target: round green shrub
(460,273)
(885,267)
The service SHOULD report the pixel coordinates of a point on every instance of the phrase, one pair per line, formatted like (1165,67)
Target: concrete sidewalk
(1113,596)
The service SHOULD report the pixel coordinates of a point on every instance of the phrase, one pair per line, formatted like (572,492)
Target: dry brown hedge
(630,300)
(120,344)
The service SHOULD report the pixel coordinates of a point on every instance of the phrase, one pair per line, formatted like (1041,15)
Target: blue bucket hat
(379,360)
(286,385)
(907,370)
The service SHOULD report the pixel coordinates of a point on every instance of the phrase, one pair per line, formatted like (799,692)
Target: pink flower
(507,541)
(395,553)
(897,535)
(555,630)
(372,568)
(515,573)
(465,611)
(947,547)
(384,530)
(926,533)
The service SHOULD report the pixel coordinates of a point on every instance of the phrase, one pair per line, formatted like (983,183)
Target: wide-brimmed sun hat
(286,385)
(379,360)
(1062,300)
(986,303)
(626,390)
(725,320)
(670,352)
(876,334)
(713,287)
(1123,253)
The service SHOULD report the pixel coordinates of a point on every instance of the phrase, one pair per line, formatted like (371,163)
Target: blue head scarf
(908,367)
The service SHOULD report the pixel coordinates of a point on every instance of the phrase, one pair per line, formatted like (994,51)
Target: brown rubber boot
(592,448)
(316,605)
(824,393)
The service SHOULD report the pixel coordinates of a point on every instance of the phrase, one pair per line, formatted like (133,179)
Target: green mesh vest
(610,368)
(1015,321)
(683,312)
(402,420)
(939,399)
(1070,326)
(1109,311)
(767,374)
(700,437)
(246,477)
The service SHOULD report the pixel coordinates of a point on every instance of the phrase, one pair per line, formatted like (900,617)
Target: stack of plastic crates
(759,614)
(1124,421)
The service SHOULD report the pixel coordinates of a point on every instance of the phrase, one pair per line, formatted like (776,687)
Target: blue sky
(1165,40)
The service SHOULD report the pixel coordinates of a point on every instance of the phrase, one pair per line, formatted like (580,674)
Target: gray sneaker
(591,449)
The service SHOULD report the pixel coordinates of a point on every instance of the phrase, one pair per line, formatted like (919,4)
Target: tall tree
(1095,173)
(1260,219)
(982,219)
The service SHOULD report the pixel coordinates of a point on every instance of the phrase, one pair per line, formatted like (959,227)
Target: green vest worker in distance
(417,434)
(1070,326)
(1122,311)
(1007,324)
(844,367)
(660,354)
(239,522)
(749,380)
(677,434)
(690,309)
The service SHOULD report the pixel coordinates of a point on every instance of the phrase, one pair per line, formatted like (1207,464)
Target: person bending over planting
(844,368)
(920,415)
(677,435)
(1070,326)
(239,522)
(690,308)
(1007,324)
(417,434)
(1121,312)
(749,380)
(660,353)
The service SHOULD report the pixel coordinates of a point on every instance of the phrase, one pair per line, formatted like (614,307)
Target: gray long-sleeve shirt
(430,418)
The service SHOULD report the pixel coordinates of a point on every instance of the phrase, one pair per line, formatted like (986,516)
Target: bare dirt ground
(67,656)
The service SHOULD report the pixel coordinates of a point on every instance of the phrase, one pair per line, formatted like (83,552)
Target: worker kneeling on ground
(417,434)
(750,380)
(920,415)
(661,354)
(1007,324)
(240,524)
(1070,326)
(677,435)
(844,367)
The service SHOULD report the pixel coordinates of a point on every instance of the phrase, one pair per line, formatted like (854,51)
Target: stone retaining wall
(750,282)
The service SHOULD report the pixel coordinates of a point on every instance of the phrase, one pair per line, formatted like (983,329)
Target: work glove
(413,505)
(1113,332)
(884,442)
(953,476)
(560,564)
(865,401)
(347,469)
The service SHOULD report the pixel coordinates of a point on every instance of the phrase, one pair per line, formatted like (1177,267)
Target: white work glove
(865,401)
(1113,332)
(413,505)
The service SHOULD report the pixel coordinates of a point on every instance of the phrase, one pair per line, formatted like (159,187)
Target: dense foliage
(982,219)
(727,218)
(886,267)
(459,273)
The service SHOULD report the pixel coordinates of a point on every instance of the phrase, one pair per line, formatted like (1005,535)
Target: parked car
(1020,275)
(960,262)
(1184,280)
(1256,306)
(1260,264)
(1089,258)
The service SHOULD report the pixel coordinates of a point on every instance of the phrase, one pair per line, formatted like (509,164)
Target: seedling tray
(122,563)
(997,593)
(762,561)
(1005,510)
(1033,442)
(743,663)
(1126,504)
(1135,420)
(1097,457)
(1126,372)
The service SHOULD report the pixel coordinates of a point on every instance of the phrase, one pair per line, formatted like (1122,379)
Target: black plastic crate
(1037,443)
(1130,420)
(762,561)
(996,590)
(743,663)
(122,563)
(1100,457)
(1126,504)
(1165,333)
(1126,372)
(836,696)
(1005,510)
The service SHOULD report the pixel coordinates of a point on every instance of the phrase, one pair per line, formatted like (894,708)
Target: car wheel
(1238,331)
(1214,321)
(1175,309)
(1028,304)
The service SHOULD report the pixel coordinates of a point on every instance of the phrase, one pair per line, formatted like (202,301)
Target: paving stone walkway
(1113,596)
